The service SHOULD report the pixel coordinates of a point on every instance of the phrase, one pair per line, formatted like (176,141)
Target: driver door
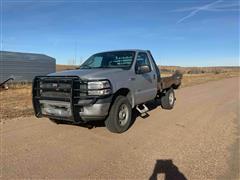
(145,83)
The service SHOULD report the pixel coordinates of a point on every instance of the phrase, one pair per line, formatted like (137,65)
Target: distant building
(25,66)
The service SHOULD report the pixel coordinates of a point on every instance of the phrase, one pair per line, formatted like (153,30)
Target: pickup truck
(106,87)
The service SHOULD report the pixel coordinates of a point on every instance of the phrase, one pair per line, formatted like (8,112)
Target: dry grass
(200,70)
(194,79)
(17,101)
(60,67)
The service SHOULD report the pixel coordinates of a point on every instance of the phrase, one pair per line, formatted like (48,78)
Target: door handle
(132,78)
(154,76)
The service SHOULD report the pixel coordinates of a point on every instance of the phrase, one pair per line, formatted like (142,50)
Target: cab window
(142,60)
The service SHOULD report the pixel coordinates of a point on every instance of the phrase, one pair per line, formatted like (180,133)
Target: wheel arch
(124,92)
(176,86)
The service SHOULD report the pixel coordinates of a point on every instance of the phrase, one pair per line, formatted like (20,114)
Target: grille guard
(74,91)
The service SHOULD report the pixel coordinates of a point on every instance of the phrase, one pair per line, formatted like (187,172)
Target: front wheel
(168,100)
(120,115)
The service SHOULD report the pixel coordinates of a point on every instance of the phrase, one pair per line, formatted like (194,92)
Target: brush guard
(70,89)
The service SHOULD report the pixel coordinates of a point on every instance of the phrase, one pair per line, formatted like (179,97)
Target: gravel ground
(198,139)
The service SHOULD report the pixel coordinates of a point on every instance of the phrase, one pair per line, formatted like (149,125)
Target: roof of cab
(123,50)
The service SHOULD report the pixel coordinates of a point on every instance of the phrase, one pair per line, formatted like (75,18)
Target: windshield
(115,59)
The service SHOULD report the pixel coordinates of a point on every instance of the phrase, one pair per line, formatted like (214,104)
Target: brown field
(200,70)
(194,79)
(16,102)
(60,67)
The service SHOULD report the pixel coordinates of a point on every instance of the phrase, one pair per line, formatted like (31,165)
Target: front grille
(54,94)
(54,84)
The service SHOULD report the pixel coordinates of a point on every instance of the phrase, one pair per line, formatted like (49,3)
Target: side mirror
(143,69)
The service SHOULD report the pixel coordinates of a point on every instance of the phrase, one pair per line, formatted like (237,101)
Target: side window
(142,60)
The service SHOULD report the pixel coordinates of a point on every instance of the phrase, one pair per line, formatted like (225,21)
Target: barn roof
(8,55)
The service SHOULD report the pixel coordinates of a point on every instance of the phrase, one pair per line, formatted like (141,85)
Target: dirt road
(198,139)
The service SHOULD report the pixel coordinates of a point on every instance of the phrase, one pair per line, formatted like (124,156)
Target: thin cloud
(230,6)
(214,7)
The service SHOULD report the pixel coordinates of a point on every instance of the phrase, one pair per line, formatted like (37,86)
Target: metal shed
(25,66)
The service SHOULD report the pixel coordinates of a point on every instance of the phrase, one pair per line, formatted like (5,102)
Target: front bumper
(71,104)
(97,111)
(62,110)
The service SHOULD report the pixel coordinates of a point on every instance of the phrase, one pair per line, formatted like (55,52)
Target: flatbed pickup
(107,86)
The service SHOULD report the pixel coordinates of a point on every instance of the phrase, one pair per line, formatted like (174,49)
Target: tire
(168,100)
(120,115)
(57,121)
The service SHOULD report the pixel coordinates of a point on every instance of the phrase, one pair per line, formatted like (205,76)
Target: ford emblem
(55,85)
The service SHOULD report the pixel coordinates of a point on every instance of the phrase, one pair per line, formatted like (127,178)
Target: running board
(142,110)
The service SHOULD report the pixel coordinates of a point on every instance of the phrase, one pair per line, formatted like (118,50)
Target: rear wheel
(57,121)
(120,115)
(168,100)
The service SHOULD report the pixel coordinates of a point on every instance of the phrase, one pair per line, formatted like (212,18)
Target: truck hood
(90,73)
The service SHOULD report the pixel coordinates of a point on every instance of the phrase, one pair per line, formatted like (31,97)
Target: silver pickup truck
(107,86)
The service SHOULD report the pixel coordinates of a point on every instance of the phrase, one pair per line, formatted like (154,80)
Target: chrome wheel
(171,98)
(123,114)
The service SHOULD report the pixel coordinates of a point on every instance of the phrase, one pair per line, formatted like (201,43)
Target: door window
(142,60)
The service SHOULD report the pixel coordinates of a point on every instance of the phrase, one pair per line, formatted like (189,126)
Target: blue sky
(185,33)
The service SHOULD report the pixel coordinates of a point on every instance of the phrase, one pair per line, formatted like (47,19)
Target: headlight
(98,85)
(99,92)
(99,88)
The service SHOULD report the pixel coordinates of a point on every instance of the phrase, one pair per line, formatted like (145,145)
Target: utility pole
(75,53)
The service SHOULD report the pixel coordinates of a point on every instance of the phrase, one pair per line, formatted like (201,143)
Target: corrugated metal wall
(25,66)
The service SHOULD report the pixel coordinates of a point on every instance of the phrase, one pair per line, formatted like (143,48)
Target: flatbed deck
(173,81)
